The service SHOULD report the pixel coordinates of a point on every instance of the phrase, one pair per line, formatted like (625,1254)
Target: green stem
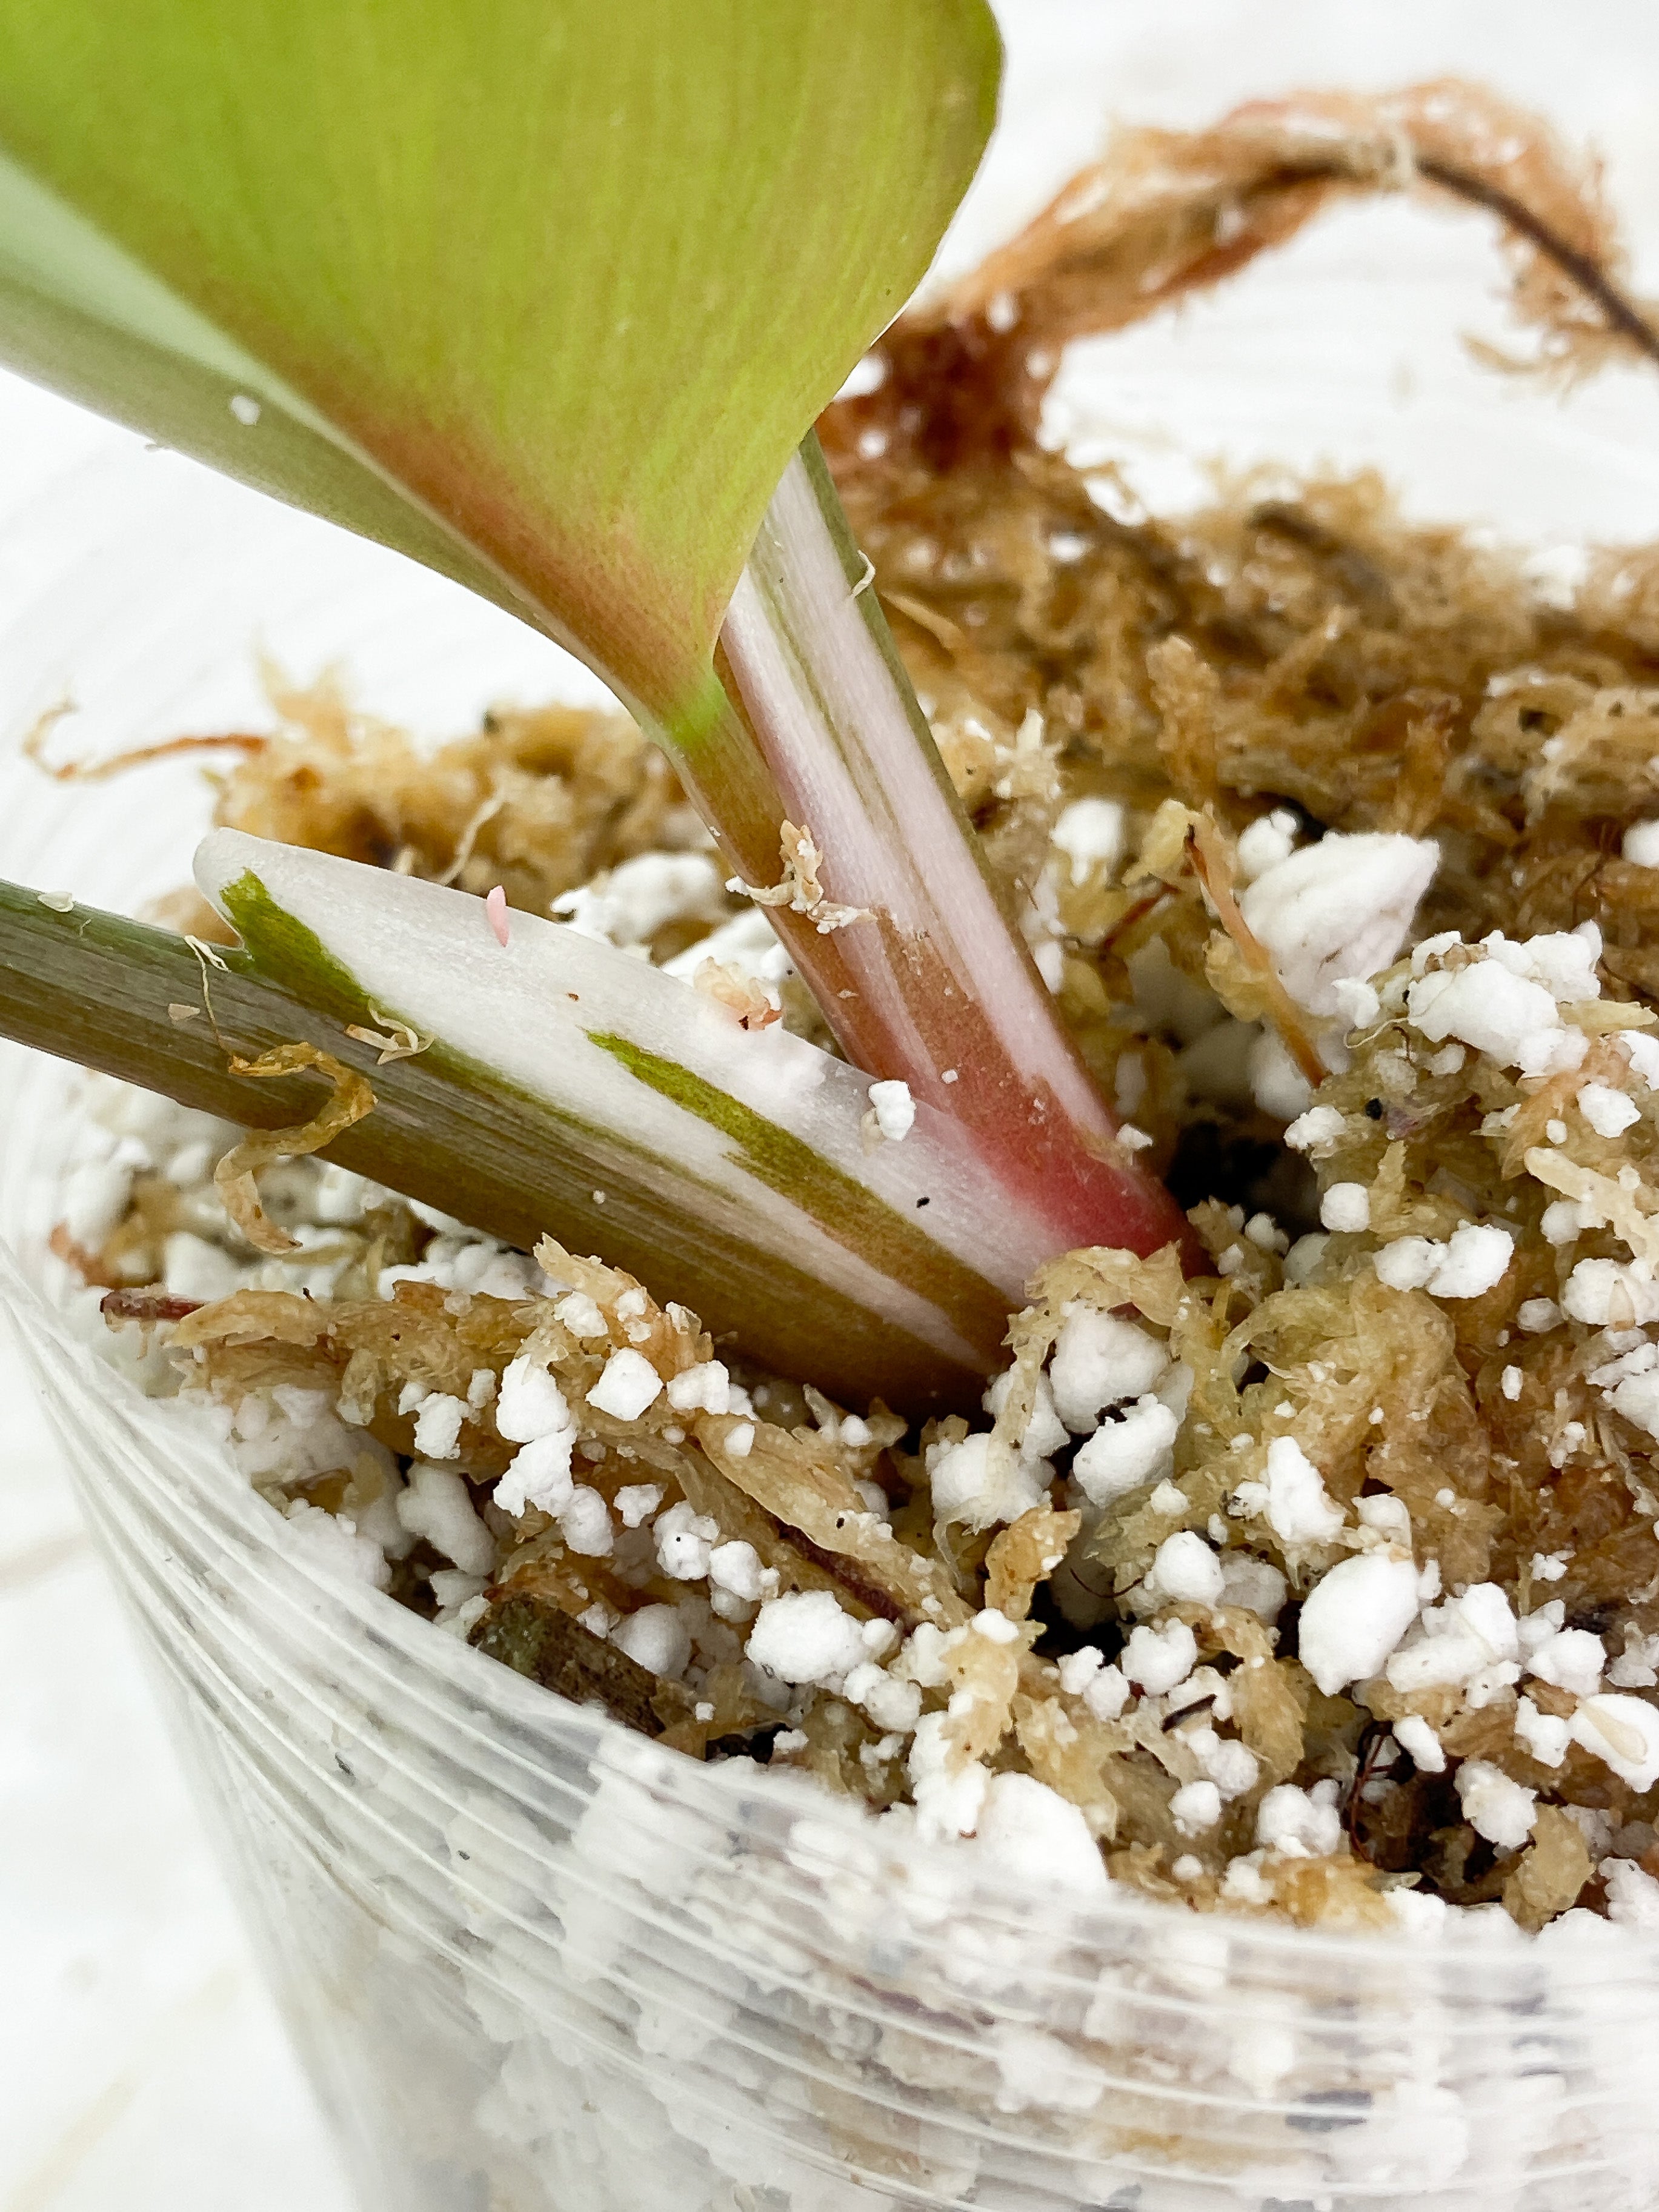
(94,989)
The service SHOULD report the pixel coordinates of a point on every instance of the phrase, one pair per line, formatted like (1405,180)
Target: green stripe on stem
(843,1208)
(95,988)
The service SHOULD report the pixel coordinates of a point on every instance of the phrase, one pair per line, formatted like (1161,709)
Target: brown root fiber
(352,1097)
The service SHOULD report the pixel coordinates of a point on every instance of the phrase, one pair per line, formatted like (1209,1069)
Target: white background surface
(140,2064)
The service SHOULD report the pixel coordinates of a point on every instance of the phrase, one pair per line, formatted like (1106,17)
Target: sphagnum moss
(1316,1584)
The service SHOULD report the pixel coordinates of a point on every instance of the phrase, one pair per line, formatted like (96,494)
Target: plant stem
(575,1158)
(932,987)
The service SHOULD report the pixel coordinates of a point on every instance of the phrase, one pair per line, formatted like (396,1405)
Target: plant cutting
(580,398)
(1297,1574)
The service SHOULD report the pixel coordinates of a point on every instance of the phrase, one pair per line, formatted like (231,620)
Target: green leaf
(542,292)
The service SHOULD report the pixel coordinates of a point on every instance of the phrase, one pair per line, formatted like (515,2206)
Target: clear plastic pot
(537,1965)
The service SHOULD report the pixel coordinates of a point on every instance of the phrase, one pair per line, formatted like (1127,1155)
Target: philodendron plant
(548,295)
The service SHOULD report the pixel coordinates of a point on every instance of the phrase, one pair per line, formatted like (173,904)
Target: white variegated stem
(934,987)
(727,1168)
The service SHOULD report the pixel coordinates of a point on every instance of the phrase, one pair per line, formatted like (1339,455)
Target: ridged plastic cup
(535,1964)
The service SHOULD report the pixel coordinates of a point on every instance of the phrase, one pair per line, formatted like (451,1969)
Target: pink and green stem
(933,988)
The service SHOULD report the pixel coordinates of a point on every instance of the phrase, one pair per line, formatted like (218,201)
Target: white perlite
(1157,1659)
(735,1568)
(1570,1658)
(580,1316)
(438,1505)
(1484,1005)
(335,1546)
(1300,1824)
(658,1636)
(1090,832)
(1125,1453)
(530,1411)
(805,1638)
(629,1384)
(684,1540)
(1357,1004)
(972,1484)
(1502,1811)
(1317,1133)
(1277,1084)
(1346,1208)
(1508,1003)
(1469,1263)
(1100,1359)
(1414,1736)
(706,1388)
(895,1110)
(1298,1507)
(1186,1570)
(1194,1807)
(1255,1584)
(1563,961)
(1045,1432)
(538,1475)
(1609,1112)
(1265,843)
(1041,1839)
(1471,1640)
(1232,1766)
(1631,1386)
(585,1523)
(635,900)
(891,1704)
(1632,1896)
(1614,1292)
(1543,1735)
(1355,1617)
(636,1502)
(530,1403)
(1339,909)
(438,1426)
(1642,1053)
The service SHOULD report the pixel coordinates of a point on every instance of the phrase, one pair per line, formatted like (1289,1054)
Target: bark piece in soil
(538,1640)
